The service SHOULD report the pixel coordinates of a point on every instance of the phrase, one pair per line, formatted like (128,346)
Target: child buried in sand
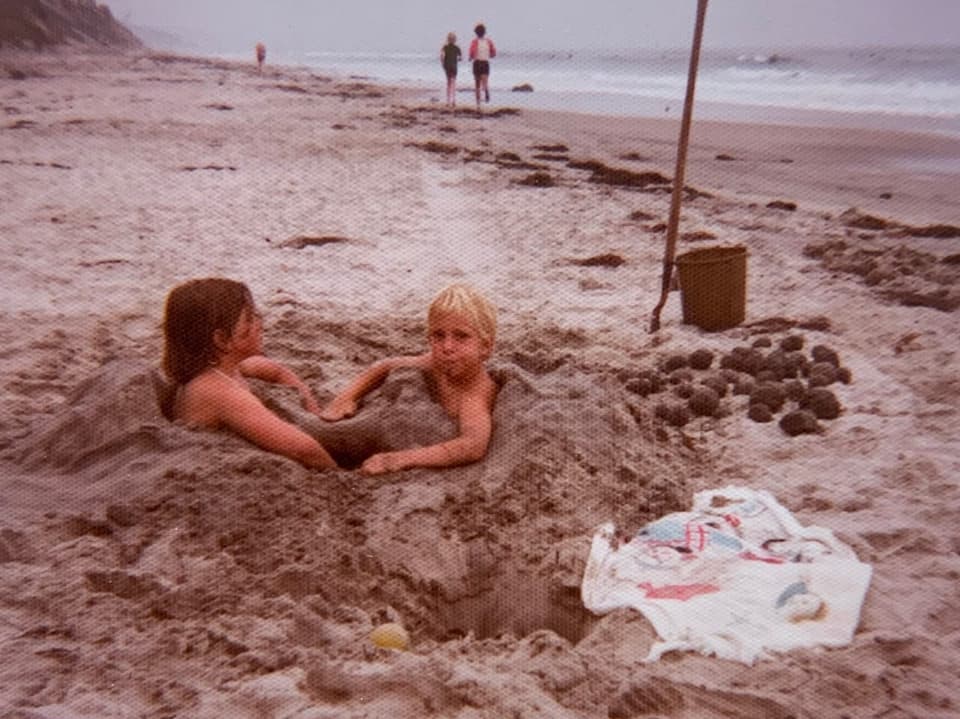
(213,336)
(461,325)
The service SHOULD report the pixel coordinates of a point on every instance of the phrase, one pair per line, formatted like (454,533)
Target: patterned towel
(735,577)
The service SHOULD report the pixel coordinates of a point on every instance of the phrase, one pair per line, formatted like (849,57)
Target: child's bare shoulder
(204,398)
(483,391)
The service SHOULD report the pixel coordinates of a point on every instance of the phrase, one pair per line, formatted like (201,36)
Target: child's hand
(310,403)
(410,362)
(339,408)
(381,463)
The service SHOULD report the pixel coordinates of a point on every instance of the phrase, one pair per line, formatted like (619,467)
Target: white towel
(737,577)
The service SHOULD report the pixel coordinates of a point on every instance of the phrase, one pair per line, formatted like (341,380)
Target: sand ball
(681,376)
(639,385)
(683,390)
(744,385)
(800,421)
(844,375)
(822,374)
(390,636)
(822,402)
(791,343)
(716,383)
(795,390)
(745,359)
(674,361)
(776,363)
(795,363)
(701,359)
(771,394)
(822,353)
(766,375)
(644,382)
(676,415)
(759,412)
(703,401)
(730,376)
(661,411)
(763,341)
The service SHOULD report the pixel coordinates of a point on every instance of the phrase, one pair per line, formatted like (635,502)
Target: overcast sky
(418,25)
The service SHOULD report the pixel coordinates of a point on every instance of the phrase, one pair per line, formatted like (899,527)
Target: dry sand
(149,571)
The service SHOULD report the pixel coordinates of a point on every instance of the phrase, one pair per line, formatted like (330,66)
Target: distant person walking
(261,56)
(450,57)
(481,52)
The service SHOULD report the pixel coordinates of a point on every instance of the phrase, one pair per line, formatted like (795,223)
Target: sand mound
(215,549)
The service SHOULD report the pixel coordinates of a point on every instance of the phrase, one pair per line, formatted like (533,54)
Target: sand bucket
(713,286)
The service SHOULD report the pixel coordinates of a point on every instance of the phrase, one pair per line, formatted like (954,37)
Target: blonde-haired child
(450,58)
(461,328)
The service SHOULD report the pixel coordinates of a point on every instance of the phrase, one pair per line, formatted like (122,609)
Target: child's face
(247,334)
(455,345)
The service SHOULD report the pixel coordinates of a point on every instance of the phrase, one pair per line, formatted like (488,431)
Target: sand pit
(483,552)
(151,571)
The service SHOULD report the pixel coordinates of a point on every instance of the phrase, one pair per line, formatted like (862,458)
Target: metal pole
(674,221)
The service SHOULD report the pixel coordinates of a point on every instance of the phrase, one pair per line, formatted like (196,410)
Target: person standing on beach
(449,57)
(261,56)
(481,51)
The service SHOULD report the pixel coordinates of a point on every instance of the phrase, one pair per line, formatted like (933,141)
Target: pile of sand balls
(776,379)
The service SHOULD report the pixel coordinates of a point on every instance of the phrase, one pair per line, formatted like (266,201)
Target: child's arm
(476,426)
(493,49)
(268,370)
(473,49)
(241,412)
(345,404)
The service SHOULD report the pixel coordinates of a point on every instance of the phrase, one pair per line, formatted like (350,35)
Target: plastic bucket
(713,286)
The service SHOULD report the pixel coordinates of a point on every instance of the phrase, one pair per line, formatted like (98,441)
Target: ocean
(897,87)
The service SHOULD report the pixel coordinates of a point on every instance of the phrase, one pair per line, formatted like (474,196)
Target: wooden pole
(674,221)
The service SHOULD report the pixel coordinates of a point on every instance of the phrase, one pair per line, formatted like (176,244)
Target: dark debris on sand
(898,273)
(855,219)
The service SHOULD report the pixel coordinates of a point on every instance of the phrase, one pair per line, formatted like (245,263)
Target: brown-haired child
(212,344)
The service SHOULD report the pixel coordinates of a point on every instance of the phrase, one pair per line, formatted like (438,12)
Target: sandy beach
(150,571)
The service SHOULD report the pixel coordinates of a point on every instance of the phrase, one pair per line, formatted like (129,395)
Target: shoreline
(662,108)
(649,84)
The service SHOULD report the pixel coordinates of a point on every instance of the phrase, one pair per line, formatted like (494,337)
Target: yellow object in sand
(390,636)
